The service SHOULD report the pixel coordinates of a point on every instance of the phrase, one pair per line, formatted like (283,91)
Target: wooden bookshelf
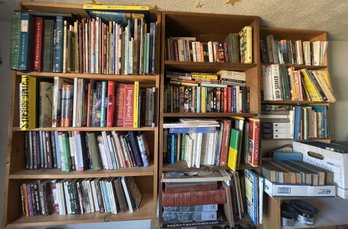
(205,27)
(17,174)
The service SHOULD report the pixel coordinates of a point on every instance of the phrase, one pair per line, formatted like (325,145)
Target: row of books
(296,172)
(212,142)
(236,48)
(74,197)
(81,102)
(193,199)
(294,122)
(254,188)
(292,51)
(60,43)
(80,151)
(194,92)
(281,83)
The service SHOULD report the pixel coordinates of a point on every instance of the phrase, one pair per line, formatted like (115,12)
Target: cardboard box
(284,190)
(332,157)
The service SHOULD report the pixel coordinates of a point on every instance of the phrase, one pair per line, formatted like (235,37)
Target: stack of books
(236,48)
(292,51)
(84,103)
(80,151)
(192,198)
(61,43)
(212,142)
(225,91)
(74,197)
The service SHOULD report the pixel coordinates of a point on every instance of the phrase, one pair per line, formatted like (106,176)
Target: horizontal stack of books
(192,198)
(79,151)
(73,197)
(212,142)
(81,102)
(292,51)
(61,43)
(195,92)
(236,48)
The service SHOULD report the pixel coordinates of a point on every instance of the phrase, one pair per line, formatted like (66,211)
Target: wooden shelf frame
(147,178)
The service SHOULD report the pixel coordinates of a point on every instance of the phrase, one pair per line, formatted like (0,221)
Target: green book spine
(66,154)
(183,142)
(93,151)
(47,59)
(15,37)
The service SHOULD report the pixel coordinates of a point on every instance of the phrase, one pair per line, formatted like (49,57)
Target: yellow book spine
(311,89)
(28,103)
(249,45)
(204,76)
(114,7)
(136,105)
(232,158)
(203,100)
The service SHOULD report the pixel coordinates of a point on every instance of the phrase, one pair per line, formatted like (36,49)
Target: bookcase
(146,178)
(203,28)
(272,207)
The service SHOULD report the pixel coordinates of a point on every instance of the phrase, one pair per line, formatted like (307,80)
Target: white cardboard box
(284,190)
(327,158)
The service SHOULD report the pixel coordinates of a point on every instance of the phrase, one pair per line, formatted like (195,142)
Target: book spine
(103,105)
(194,198)
(15,39)
(136,105)
(28,105)
(48,45)
(225,142)
(38,25)
(128,105)
(135,148)
(111,104)
(143,151)
(24,53)
(58,45)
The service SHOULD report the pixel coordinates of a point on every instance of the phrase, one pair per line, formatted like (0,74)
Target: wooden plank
(208,115)
(17,129)
(206,66)
(145,212)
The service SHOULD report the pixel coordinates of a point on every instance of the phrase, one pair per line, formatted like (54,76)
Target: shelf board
(206,66)
(283,102)
(145,212)
(302,140)
(182,166)
(58,174)
(301,66)
(208,115)
(88,129)
(118,78)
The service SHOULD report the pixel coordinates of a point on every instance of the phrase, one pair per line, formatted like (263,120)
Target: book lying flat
(195,176)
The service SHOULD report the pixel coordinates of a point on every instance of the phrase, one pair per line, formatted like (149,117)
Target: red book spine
(229,99)
(254,142)
(194,198)
(226,52)
(128,105)
(119,105)
(38,24)
(191,188)
(225,142)
(111,104)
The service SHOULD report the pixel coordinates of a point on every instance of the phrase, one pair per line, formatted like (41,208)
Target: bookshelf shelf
(144,212)
(118,78)
(206,67)
(207,115)
(182,166)
(300,66)
(277,102)
(90,129)
(58,174)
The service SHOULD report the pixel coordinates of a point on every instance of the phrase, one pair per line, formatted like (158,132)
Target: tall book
(15,38)
(37,37)
(246,45)
(233,149)
(45,105)
(25,43)
(254,142)
(58,45)
(28,102)
(136,111)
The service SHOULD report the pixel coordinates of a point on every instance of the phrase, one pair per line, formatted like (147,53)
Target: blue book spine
(142,149)
(58,156)
(181,130)
(297,122)
(58,45)
(135,148)
(103,105)
(172,149)
(198,100)
(112,152)
(256,198)
(147,59)
(23,42)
